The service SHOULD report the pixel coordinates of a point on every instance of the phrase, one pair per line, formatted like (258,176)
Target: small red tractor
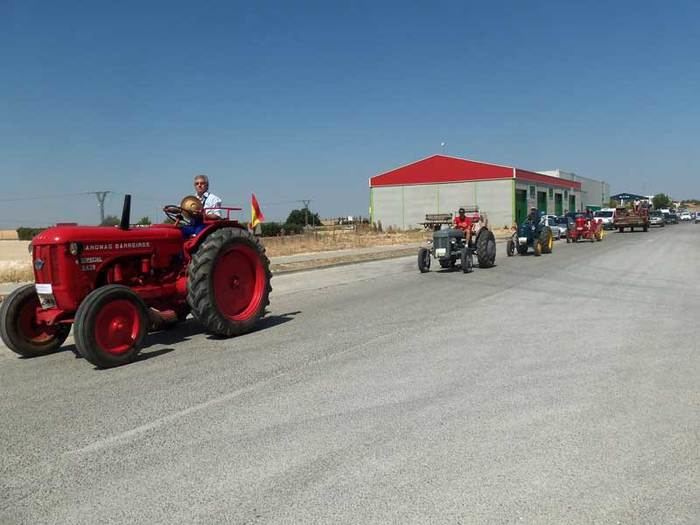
(585,227)
(114,284)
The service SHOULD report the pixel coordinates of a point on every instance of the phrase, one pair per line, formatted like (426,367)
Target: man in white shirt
(208,199)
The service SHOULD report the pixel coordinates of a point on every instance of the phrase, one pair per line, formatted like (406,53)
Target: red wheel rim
(117,326)
(239,282)
(32,331)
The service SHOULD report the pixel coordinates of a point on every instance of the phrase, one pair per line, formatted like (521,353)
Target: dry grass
(16,271)
(337,240)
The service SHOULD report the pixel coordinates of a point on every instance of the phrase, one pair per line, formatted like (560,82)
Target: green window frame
(532,192)
(551,193)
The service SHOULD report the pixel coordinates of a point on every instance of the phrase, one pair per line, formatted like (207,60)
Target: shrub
(27,234)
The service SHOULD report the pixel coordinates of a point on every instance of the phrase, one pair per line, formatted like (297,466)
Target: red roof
(440,169)
(530,176)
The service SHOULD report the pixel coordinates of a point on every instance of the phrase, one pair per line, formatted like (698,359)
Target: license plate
(45,293)
(440,252)
(47,300)
(522,240)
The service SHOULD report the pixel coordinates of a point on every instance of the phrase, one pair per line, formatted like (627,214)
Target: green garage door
(558,204)
(572,202)
(520,206)
(542,201)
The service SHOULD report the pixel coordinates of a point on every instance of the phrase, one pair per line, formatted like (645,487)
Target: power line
(41,197)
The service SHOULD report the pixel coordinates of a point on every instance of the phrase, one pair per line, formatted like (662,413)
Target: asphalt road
(558,389)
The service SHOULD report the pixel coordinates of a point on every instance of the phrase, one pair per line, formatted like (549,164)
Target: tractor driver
(208,199)
(464,223)
(534,215)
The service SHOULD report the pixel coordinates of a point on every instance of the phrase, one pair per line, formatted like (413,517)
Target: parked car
(656,218)
(686,217)
(607,216)
(558,230)
(697,217)
(671,218)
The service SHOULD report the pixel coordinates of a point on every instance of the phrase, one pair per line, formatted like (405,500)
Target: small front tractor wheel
(228,285)
(510,248)
(522,249)
(424,260)
(547,240)
(110,326)
(538,247)
(467,260)
(18,327)
(486,248)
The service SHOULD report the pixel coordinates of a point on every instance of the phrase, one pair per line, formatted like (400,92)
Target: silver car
(558,229)
(656,218)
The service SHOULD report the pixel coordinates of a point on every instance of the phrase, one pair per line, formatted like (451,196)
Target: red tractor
(114,284)
(585,227)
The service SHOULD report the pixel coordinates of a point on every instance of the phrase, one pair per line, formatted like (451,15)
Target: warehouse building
(402,197)
(595,194)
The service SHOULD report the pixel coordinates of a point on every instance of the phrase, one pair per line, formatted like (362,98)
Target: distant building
(595,194)
(402,197)
(626,198)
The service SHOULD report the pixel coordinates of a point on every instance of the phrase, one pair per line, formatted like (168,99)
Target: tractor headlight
(75,248)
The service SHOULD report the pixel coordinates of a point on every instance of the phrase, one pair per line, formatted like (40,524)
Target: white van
(607,217)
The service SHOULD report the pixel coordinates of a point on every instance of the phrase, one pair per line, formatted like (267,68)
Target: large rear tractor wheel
(467,260)
(19,329)
(510,248)
(110,326)
(538,247)
(424,260)
(228,287)
(547,240)
(486,248)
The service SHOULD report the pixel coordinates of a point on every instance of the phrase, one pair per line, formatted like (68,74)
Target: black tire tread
(199,282)
(82,328)
(485,259)
(8,314)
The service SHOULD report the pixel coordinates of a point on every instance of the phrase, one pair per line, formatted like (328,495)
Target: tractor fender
(191,245)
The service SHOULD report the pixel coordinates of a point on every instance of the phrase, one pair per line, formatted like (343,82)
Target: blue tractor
(532,233)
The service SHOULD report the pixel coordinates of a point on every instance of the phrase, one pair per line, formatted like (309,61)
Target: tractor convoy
(112,285)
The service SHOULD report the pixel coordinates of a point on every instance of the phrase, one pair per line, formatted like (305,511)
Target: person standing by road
(208,199)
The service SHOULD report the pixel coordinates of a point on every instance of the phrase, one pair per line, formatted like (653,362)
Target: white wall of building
(593,192)
(405,207)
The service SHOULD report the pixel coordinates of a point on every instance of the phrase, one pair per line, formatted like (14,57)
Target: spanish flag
(256,216)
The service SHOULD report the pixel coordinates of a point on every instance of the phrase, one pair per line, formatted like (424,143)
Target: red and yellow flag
(256,216)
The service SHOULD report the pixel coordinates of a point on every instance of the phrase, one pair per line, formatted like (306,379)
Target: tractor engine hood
(106,237)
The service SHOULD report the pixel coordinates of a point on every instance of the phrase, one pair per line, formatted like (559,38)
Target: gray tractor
(452,245)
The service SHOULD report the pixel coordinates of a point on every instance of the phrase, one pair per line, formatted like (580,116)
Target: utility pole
(101,195)
(306,211)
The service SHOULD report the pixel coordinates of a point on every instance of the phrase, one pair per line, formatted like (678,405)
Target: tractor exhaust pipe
(126,213)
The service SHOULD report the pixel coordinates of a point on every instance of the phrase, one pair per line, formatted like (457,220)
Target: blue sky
(307,100)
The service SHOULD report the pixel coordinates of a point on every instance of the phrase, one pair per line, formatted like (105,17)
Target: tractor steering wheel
(177,214)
